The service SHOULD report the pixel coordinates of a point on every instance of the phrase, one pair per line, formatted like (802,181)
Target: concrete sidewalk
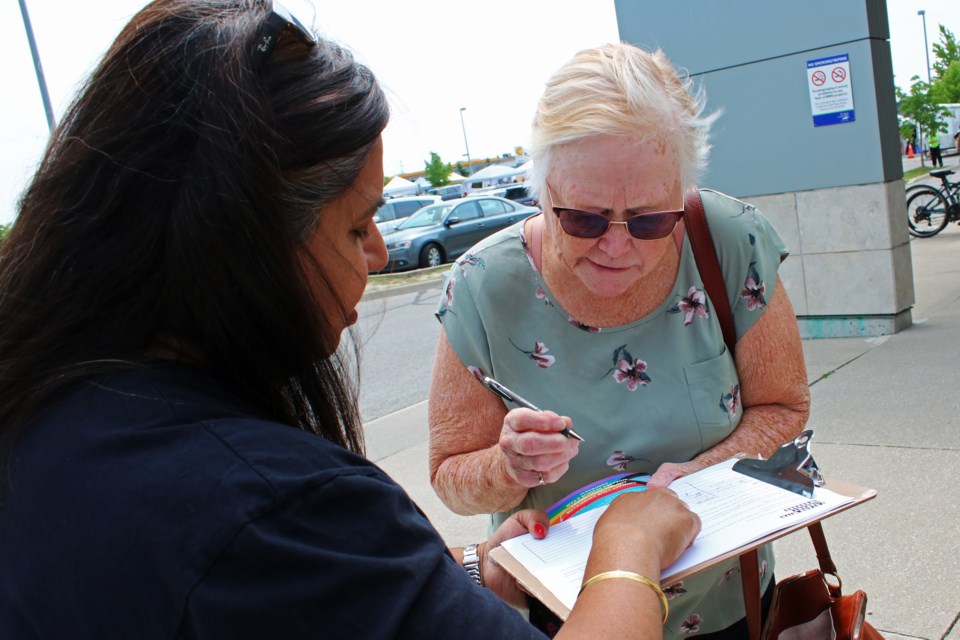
(886,416)
(949,162)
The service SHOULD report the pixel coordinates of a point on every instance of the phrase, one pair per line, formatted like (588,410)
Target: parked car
(393,211)
(441,232)
(448,192)
(515,192)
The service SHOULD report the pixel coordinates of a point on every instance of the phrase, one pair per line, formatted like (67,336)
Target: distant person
(180,447)
(596,309)
(935,158)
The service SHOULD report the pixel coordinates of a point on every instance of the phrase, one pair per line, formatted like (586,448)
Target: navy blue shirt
(153,503)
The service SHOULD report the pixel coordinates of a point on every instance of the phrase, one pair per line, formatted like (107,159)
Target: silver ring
(540,476)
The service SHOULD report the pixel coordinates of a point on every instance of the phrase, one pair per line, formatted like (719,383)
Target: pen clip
(497,388)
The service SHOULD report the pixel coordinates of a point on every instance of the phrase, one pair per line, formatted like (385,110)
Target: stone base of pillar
(849,273)
(812,327)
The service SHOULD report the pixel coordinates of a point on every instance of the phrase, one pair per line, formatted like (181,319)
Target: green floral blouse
(661,389)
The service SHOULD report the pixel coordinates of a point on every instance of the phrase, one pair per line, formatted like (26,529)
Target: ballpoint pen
(506,394)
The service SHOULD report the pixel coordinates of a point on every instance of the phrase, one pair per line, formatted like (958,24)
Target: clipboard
(538,590)
(791,467)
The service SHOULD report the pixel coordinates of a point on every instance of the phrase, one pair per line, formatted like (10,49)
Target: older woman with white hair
(595,311)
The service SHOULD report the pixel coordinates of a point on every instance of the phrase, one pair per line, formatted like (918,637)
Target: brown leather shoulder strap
(820,546)
(709,266)
(750,577)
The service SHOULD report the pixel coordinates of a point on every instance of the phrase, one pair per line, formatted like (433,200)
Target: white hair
(620,90)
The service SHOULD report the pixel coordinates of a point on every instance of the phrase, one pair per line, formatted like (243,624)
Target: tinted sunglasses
(278,20)
(643,226)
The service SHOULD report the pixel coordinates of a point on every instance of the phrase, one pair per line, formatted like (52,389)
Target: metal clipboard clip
(791,467)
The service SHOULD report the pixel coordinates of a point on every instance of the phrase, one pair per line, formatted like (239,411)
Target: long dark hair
(173,201)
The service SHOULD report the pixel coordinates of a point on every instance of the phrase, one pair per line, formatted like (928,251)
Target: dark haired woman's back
(155,503)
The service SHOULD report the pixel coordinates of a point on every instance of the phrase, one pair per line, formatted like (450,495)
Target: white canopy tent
(493,175)
(399,186)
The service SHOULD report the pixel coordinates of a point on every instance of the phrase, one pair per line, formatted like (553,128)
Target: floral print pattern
(526,250)
(674,591)
(477,372)
(729,574)
(619,460)
(580,325)
(691,624)
(446,299)
(694,304)
(729,402)
(542,295)
(538,354)
(509,304)
(754,290)
(629,370)
(470,260)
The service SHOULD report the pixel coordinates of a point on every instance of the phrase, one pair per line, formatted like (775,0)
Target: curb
(400,289)
(377,289)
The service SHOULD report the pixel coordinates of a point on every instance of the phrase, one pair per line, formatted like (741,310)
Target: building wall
(834,192)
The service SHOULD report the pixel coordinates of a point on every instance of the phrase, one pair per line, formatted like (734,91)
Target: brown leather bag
(806,606)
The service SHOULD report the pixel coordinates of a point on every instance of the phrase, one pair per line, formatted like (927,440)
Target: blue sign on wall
(831,91)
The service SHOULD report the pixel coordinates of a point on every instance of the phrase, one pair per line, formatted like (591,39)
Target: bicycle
(930,209)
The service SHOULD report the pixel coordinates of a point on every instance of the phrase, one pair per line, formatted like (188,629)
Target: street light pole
(926,47)
(51,123)
(464,127)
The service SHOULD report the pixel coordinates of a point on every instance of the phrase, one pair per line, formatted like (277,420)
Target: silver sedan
(441,232)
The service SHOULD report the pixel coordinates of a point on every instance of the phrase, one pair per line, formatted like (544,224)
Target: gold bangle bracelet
(636,577)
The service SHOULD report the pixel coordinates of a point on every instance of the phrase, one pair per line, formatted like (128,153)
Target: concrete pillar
(834,192)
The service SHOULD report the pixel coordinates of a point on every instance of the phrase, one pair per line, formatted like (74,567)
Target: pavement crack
(833,371)
(953,625)
(885,446)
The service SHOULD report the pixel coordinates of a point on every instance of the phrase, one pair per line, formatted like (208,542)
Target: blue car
(439,233)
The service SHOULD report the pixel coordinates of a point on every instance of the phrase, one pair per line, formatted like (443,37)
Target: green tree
(4,231)
(946,52)
(437,172)
(947,86)
(921,108)
(907,129)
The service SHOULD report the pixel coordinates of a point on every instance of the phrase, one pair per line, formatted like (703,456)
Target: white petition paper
(734,509)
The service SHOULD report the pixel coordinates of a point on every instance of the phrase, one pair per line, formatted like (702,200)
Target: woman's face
(347,244)
(617,177)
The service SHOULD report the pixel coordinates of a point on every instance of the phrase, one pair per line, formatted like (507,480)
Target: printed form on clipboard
(738,512)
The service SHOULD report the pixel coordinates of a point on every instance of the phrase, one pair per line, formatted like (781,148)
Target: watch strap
(471,562)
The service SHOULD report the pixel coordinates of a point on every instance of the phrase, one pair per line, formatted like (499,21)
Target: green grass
(916,173)
(407,277)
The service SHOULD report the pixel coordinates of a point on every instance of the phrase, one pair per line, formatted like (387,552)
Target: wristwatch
(471,562)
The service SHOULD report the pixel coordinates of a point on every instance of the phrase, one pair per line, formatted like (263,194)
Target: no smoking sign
(831,92)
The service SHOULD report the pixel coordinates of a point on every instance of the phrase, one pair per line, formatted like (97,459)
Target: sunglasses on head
(277,21)
(643,226)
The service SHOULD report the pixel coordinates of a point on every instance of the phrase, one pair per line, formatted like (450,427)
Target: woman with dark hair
(172,296)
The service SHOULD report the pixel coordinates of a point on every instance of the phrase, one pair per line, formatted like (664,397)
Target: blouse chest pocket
(714,390)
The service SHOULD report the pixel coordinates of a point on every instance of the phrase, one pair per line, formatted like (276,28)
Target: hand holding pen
(510,396)
(529,462)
